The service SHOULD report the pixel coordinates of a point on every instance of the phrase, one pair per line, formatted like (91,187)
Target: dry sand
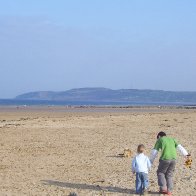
(55,151)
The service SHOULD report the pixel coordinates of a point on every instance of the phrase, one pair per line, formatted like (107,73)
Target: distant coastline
(77,104)
(104,97)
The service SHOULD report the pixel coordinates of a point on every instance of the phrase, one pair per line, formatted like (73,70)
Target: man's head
(161,134)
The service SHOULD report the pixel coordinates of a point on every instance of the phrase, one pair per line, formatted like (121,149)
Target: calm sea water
(13,102)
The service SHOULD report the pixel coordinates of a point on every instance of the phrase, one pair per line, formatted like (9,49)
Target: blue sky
(58,45)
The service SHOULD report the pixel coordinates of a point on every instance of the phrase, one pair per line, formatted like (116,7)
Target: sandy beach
(55,151)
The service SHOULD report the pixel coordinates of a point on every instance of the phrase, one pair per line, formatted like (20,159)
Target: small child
(140,165)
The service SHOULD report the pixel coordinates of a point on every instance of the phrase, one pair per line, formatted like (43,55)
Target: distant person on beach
(167,161)
(140,166)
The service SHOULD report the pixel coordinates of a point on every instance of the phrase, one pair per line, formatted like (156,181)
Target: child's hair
(140,148)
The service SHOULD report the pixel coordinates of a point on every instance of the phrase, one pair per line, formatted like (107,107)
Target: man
(167,161)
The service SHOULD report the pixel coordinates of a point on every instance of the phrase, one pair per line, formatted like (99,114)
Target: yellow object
(188,162)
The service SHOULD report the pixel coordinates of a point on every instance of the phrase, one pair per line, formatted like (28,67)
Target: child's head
(140,148)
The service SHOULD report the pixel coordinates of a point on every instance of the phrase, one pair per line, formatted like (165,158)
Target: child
(140,165)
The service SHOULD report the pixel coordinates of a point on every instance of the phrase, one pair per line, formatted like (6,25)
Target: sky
(119,44)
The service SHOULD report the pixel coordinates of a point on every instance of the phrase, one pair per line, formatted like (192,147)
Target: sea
(15,102)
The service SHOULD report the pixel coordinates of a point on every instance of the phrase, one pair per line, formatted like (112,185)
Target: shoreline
(158,107)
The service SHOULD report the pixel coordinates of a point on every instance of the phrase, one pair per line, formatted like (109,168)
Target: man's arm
(182,150)
(153,155)
(155,151)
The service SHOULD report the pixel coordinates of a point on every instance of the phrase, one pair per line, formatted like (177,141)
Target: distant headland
(106,95)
